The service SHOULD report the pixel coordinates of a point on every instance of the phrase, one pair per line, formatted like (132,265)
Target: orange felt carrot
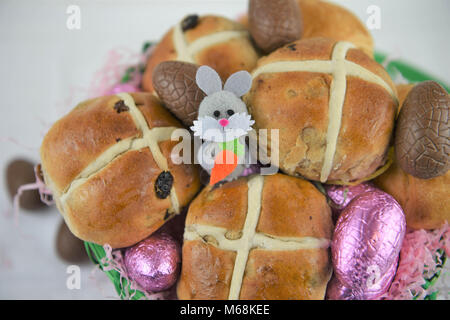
(224,164)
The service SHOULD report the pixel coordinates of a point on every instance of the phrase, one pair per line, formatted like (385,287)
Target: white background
(45,69)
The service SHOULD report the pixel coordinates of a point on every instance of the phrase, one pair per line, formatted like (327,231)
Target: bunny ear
(239,83)
(208,80)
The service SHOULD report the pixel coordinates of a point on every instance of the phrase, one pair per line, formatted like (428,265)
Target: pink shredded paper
(116,63)
(44,192)
(419,259)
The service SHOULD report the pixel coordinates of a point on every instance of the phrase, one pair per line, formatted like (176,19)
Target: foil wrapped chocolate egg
(422,136)
(337,291)
(341,196)
(367,239)
(378,284)
(154,263)
(252,169)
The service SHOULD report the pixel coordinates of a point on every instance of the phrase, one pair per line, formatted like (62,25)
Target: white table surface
(45,69)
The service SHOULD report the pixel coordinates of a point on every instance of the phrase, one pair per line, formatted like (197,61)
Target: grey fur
(208,80)
(221,101)
(239,83)
(222,104)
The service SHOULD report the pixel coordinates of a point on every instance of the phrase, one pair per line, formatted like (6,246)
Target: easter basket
(423,255)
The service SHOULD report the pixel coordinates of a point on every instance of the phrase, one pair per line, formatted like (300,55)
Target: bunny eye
(216,113)
(230,112)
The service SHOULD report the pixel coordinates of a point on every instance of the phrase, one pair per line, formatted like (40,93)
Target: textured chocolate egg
(21,172)
(422,136)
(174,82)
(274,23)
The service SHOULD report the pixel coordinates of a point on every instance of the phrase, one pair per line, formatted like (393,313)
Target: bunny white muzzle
(210,129)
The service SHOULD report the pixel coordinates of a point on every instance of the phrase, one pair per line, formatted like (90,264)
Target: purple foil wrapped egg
(342,195)
(337,291)
(367,240)
(378,285)
(154,263)
(123,87)
(252,169)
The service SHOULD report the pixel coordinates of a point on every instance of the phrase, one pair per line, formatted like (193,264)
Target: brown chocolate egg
(274,23)
(68,247)
(20,172)
(174,82)
(422,136)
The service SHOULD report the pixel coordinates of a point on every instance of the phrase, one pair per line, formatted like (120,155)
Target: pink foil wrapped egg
(342,195)
(337,291)
(154,263)
(252,169)
(367,240)
(377,286)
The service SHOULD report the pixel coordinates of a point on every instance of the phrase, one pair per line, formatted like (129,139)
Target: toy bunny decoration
(223,122)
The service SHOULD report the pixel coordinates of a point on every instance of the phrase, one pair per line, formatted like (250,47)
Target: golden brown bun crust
(316,49)
(328,20)
(226,58)
(117,204)
(210,270)
(290,208)
(361,148)
(163,51)
(303,98)
(87,131)
(211,24)
(243,20)
(403,90)
(221,212)
(359,57)
(293,207)
(153,111)
(426,203)
(229,57)
(280,271)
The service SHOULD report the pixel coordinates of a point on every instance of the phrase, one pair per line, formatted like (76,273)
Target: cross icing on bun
(333,105)
(108,165)
(218,42)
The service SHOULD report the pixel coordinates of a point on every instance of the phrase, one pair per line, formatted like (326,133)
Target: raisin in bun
(258,237)
(218,42)
(333,106)
(108,165)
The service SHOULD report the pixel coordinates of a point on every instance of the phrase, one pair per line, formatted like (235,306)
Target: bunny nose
(224,122)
